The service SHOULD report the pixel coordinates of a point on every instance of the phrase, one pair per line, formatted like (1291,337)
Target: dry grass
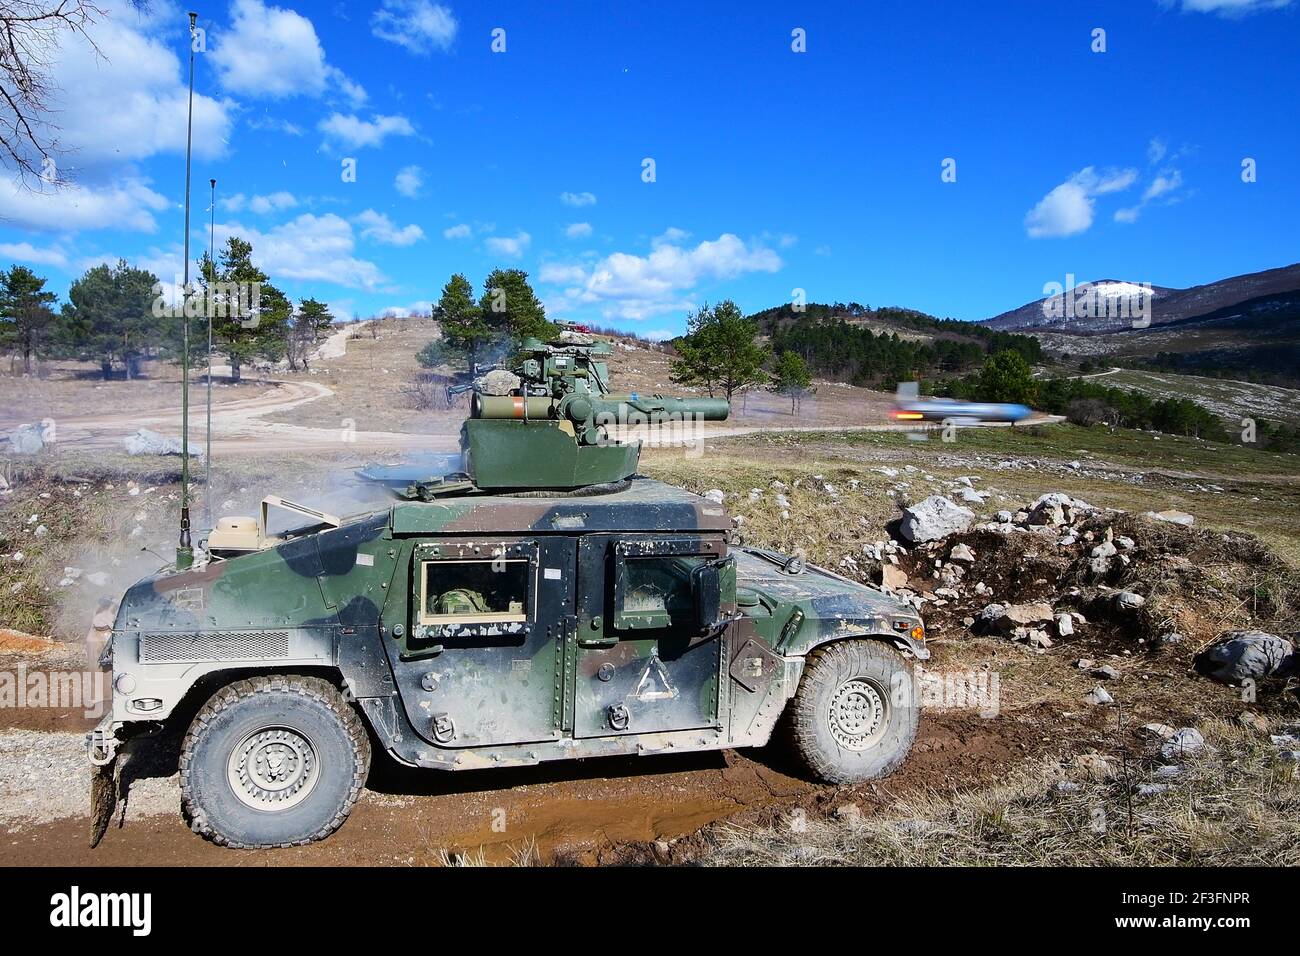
(1235,804)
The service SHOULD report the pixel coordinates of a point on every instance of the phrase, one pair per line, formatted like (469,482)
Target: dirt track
(584,812)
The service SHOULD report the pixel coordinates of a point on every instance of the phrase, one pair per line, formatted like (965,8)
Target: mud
(623,809)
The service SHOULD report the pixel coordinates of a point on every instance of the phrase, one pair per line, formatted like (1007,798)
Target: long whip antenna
(185,550)
(212,258)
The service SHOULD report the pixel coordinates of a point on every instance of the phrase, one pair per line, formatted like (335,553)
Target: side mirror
(706,585)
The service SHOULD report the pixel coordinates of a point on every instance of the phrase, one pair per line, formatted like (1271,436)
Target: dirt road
(239,425)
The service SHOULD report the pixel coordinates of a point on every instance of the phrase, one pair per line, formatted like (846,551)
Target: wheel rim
(273,769)
(857,714)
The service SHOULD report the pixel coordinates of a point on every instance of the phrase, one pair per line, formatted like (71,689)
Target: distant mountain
(1113,305)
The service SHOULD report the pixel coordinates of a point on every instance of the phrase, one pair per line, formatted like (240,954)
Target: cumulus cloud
(275,53)
(627,286)
(1070,207)
(127,101)
(356,133)
(509,247)
(261,205)
(409,181)
(309,247)
(128,204)
(417,25)
(578,199)
(26,252)
(421,307)
(578,230)
(377,227)
(458,231)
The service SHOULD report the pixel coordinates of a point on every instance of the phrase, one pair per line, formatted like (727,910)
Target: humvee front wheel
(854,716)
(273,761)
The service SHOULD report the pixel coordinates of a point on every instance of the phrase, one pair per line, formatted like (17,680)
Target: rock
(782,502)
(961,553)
(1151,789)
(1056,508)
(1245,655)
(716,495)
(1105,672)
(1096,767)
(497,382)
(1038,638)
(1173,637)
(1169,770)
(934,518)
(1159,731)
(1064,625)
(1004,517)
(1171,516)
(99,579)
(146,442)
(1289,756)
(1100,560)
(893,577)
(1183,742)
(1084,663)
(41,531)
(26,440)
(1098,696)
(1127,602)
(1028,613)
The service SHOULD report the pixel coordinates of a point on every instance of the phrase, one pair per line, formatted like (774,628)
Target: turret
(552,423)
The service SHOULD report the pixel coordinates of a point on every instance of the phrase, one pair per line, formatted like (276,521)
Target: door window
(474,592)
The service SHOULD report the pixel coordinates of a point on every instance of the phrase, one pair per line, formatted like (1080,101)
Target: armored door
(481,662)
(644,663)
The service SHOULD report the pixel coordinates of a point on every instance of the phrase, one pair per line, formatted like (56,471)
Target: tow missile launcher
(553,423)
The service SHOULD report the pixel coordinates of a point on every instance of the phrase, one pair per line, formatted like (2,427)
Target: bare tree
(30,35)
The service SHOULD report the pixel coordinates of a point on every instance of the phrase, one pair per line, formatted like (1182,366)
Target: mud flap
(103,799)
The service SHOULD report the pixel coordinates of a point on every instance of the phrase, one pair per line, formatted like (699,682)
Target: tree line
(833,345)
(117,316)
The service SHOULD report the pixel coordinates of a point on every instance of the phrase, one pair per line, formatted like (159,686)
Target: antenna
(212,257)
(184,550)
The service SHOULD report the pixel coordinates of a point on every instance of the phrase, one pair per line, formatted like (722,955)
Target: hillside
(1257,294)
(878,348)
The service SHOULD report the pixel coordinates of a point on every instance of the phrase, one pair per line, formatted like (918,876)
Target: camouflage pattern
(600,653)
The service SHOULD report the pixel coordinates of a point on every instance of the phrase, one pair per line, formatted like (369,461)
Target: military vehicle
(543,603)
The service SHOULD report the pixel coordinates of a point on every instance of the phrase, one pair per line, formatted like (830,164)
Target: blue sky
(775,170)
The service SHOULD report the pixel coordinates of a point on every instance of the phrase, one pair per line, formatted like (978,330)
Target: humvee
(546,603)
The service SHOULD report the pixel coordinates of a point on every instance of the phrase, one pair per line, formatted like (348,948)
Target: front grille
(213,646)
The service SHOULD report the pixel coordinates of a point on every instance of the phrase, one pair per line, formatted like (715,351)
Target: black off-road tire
(836,676)
(286,707)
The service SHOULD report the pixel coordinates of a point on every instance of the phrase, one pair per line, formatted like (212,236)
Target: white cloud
(409,181)
(417,25)
(459,231)
(1230,8)
(403,311)
(26,252)
(658,335)
(1156,150)
(578,230)
(128,205)
(1164,184)
(1070,207)
(356,133)
(274,53)
(261,205)
(511,247)
(379,228)
(556,274)
(309,247)
(578,199)
(670,236)
(127,101)
(628,286)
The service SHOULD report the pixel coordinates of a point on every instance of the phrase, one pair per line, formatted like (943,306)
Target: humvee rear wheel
(854,716)
(273,761)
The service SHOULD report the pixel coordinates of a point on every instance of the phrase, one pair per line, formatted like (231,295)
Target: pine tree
(26,320)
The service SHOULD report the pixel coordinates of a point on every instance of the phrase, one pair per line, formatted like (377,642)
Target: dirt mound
(1124,580)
